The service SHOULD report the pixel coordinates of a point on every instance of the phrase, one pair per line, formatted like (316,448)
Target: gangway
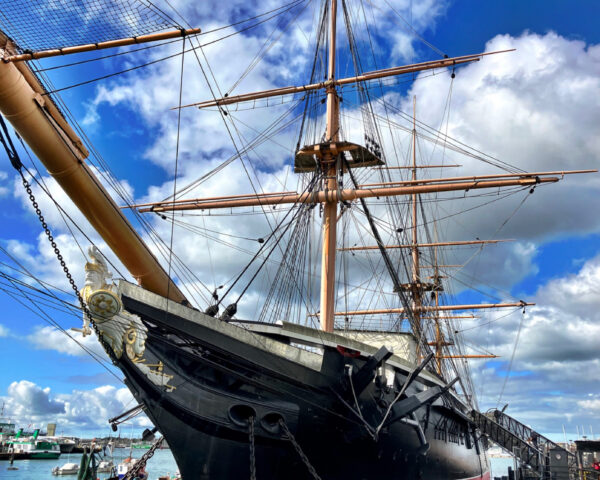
(544,458)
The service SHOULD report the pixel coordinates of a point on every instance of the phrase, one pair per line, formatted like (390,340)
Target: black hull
(221,380)
(66,447)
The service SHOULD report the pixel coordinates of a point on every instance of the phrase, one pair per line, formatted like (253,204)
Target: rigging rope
(176,171)
(13,155)
(512,358)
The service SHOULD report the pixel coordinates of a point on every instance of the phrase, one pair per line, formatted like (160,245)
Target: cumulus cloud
(592,405)
(556,366)
(77,411)
(4,184)
(534,108)
(4,331)
(28,398)
(49,338)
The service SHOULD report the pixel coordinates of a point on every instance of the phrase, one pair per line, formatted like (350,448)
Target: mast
(439,336)
(329,166)
(415,290)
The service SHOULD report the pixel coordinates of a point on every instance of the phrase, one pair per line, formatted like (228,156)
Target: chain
(60,258)
(53,243)
(303,457)
(141,463)
(252,449)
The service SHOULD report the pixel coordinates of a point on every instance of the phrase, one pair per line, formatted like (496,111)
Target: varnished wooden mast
(330,205)
(439,337)
(416,274)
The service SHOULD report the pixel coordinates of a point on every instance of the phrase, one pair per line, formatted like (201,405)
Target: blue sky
(553,81)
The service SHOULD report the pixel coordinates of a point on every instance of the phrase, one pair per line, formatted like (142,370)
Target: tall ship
(346,363)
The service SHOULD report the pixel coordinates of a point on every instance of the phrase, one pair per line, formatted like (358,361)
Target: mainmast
(416,274)
(329,166)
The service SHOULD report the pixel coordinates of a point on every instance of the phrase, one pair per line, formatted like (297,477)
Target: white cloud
(4,185)
(77,411)
(556,363)
(4,331)
(518,106)
(49,338)
(534,108)
(592,405)
(28,398)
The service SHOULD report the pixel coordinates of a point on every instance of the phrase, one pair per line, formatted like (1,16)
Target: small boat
(142,446)
(66,469)
(497,452)
(105,466)
(126,465)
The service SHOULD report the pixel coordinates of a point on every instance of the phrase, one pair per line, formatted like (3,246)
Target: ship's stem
(330,205)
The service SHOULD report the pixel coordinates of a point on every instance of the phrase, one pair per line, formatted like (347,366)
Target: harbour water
(161,464)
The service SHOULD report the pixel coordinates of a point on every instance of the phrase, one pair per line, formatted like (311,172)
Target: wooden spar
(154,37)
(423,245)
(38,122)
(388,72)
(329,161)
(450,317)
(417,166)
(187,201)
(473,177)
(344,195)
(442,266)
(469,356)
(440,308)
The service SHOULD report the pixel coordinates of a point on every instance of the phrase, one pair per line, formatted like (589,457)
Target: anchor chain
(301,454)
(141,463)
(15,160)
(252,449)
(63,264)
(59,256)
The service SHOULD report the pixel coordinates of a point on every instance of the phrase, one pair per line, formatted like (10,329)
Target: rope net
(35,25)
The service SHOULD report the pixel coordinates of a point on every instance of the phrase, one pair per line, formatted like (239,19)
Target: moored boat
(66,469)
(105,466)
(35,448)
(127,465)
